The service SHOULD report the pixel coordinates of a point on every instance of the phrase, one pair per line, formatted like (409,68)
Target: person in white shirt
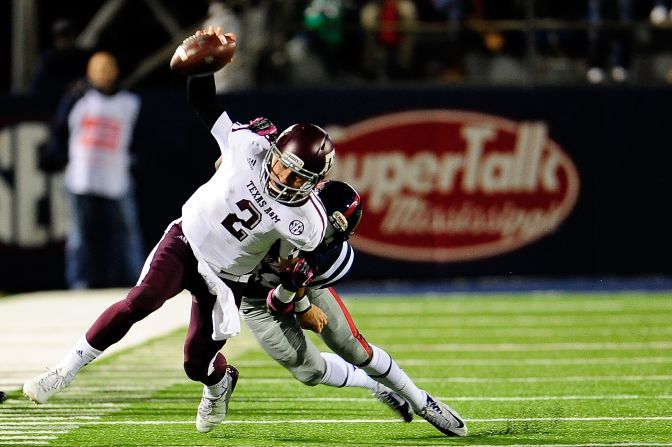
(92,137)
(262,192)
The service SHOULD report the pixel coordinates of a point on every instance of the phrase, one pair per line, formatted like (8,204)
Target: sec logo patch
(296,227)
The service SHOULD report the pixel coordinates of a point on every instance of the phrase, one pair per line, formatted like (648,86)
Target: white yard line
(463,398)
(527,347)
(363,421)
(538,362)
(39,418)
(98,405)
(30,442)
(501,362)
(592,444)
(26,431)
(54,412)
(651,378)
(55,409)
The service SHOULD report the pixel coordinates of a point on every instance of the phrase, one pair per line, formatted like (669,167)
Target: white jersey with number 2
(231,222)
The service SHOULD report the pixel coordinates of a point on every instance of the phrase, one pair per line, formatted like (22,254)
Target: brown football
(203,54)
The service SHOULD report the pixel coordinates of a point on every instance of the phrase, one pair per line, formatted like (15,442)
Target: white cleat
(444,418)
(212,411)
(43,387)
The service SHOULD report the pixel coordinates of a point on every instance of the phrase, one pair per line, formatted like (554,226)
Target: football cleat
(444,418)
(43,387)
(397,403)
(212,411)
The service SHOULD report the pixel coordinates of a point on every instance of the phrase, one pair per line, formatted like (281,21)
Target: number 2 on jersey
(232,219)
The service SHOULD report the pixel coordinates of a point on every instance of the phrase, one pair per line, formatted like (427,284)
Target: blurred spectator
(609,46)
(388,47)
(324,19)
(330,35)
(660,13)
(61,64)
(91,138)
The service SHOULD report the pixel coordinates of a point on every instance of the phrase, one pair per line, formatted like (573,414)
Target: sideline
(36,329)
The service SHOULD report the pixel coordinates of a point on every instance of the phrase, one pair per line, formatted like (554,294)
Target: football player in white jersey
(277,324)
(262,193)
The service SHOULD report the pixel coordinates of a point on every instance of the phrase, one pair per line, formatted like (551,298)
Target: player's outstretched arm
(203,98)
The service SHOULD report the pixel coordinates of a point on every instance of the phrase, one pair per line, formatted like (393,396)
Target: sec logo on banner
(446,185)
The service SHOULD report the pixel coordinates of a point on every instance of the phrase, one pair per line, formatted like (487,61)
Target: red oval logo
(448,185)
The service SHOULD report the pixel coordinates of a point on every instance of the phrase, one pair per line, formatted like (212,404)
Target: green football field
(553,369)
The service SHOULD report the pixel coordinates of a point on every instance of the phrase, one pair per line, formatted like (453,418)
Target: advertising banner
(450,186)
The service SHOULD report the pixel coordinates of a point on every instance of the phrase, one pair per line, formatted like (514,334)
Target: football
(203,54)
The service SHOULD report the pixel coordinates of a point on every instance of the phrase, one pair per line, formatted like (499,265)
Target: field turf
(553,369)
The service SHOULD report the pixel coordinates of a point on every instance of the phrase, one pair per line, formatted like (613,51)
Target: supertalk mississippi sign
(446,185)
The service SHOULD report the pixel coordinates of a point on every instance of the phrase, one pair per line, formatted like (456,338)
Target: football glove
(297,276)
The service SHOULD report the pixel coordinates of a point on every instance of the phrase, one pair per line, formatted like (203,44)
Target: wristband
(283,295)
(302,305)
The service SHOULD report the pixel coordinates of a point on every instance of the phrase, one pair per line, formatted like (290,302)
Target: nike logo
(460,422)
(246,311)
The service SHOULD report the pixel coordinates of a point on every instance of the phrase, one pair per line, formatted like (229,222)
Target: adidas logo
(251,161)
(79,353)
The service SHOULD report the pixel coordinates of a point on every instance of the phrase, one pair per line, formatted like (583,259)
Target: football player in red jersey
(303,297)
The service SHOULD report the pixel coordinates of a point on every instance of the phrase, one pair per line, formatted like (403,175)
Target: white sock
(340,373)
(385,370)
(81,354)
(216,390)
